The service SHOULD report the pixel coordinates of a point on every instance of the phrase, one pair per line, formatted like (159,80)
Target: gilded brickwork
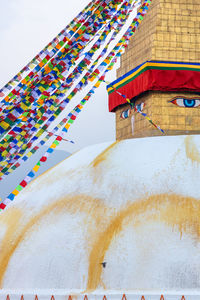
(169,32)
(141,46)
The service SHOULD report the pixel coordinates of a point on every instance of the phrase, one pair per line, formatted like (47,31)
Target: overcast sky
(26,27)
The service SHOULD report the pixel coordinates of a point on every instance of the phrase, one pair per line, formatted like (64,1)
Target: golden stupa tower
(165,52)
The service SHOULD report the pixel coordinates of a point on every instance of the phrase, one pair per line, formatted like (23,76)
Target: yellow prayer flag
(4,125)
(15,192)
(40,101)
(41,89)
(53,146)
(97,84)
(91,78)
(36,168)
(23,106)
(47,69)
(4,153)
(107,61)
(37,125)
(67,126)
(19,144)
(23,132)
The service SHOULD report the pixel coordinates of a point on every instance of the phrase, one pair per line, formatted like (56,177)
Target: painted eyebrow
(183,98)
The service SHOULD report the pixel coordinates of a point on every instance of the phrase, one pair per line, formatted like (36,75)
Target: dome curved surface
(132,205)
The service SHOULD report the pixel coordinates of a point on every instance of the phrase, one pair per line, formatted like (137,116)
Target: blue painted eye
(125,114)
(189,103)
(183,102)
(140,106)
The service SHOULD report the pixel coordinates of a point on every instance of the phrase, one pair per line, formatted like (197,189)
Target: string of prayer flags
(6,171)
(28,109)
(124,41)
(156,126)
(7,126)
(71,118)
(29,127)
(40,59)
(71,95)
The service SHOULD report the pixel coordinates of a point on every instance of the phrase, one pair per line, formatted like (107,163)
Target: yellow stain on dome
(103,156)
(191,149)
(17,231)
(174,210)
(11,218)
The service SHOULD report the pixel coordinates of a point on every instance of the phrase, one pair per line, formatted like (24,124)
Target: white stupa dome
(117,217)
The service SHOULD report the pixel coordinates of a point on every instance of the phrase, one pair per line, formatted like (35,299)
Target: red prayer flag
(43,159)
(2,206)
(23,183)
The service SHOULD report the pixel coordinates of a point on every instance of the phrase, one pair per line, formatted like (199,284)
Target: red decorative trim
(157,80)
